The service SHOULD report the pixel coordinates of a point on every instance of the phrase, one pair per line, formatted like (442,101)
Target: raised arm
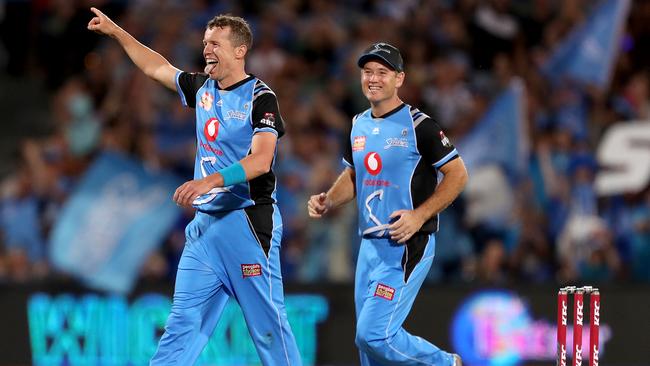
(149,61)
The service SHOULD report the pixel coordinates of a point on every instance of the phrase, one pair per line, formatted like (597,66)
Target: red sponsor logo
(445,141)
(376,183)
(211,149)
(359,143)
(206,101)
(385,291)
(211,129)
(372,162)
(251,270)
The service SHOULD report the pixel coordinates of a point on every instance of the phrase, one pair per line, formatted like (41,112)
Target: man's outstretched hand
(102,24)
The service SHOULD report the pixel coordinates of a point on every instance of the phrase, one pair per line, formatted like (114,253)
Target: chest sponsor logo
(376,183)
(211,129)
(206,100)
(372,161)
(251,270)
(211,149)
(384,291)
(359,143)
(445,141)
(396,142)
(268,119)
(236,115)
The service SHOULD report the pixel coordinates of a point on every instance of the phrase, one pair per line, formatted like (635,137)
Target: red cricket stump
(578,317)
(578,307)
(562,316)
(594,312)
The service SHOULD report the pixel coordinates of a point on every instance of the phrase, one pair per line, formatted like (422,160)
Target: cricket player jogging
(392,159)
(232,247)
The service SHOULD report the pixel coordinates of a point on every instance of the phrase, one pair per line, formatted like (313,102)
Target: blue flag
(500,136)
(117,215)
(587,55)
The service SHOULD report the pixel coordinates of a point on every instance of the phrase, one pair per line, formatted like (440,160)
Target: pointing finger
(97,11)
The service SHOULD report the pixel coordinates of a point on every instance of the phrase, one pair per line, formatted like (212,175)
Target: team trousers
(229,255)
(388,278)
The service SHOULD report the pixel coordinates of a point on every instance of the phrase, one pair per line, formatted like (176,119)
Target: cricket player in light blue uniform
(392,160)
(233,243)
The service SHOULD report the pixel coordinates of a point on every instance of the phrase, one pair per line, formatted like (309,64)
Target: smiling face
(223,59)
(380,83)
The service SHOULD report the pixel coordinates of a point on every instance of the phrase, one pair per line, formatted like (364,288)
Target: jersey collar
(389,113)
(237,84)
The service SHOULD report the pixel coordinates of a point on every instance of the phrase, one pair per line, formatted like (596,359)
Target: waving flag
(587,55)
(500,136)
(118,214)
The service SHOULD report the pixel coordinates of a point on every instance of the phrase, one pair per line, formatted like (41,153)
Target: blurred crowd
(549,226)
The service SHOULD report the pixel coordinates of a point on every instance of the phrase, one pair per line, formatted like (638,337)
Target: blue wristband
(233,174)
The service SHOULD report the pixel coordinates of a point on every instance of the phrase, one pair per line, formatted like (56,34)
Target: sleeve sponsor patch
(385,291)
(359,143)
(251,270)
(269,119)
(445,141)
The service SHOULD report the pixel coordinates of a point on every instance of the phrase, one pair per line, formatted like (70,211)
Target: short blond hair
(240,31)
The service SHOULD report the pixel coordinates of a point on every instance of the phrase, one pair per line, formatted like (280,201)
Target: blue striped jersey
(395,158)
(226,120)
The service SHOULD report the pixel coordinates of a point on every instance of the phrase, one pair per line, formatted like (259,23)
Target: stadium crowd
(550,225)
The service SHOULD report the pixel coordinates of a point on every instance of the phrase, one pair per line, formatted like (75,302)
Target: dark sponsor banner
(57,325)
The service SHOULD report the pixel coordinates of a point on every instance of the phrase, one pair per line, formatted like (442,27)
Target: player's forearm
(153,64)
(449,188)
(256,165)
(253,166)
(343,190)
(259,161)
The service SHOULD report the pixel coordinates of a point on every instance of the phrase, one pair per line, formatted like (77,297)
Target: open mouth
(210,65)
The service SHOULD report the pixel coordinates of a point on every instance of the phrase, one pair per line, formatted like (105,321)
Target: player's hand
(409,223)
(102,24)
(189,191)
(318,205)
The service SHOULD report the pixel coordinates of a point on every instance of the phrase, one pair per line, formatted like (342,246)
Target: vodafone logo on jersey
(211,129)
(372,162)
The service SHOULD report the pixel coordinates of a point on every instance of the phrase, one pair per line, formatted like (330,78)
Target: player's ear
(240,51)
(399,79)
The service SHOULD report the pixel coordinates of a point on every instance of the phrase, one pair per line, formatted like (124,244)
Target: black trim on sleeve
(347,145)
(190,83)
(430,141)
(264,105)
